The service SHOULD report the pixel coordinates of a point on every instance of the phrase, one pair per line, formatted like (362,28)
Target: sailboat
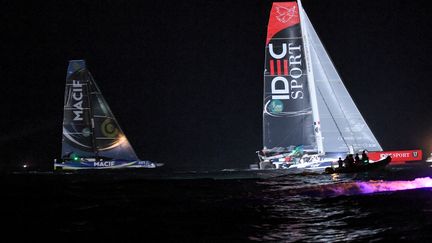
(92,137)
(309,118)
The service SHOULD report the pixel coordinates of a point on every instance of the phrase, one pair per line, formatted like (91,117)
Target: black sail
(90,129)
(287,113)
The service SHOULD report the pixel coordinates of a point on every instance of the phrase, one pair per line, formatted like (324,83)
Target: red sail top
(282,16)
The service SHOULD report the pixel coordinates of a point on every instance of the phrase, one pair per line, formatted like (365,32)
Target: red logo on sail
(282,15)
(286,14)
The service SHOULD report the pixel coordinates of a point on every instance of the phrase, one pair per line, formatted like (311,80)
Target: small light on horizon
(24,165)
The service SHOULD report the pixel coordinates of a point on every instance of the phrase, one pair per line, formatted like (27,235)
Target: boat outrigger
(309,118)
(92,137)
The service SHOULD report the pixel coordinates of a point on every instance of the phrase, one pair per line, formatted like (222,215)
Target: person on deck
(351,160)
(365,158)
(347,162)
(340,162)
(357,160)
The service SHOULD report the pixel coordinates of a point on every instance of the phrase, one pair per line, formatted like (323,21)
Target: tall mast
(311,82)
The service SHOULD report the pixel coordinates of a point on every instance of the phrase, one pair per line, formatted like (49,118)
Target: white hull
(315,164)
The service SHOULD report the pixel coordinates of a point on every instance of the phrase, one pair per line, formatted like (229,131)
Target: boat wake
(355,187)
(383,186)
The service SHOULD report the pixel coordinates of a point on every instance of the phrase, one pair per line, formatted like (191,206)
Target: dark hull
(110,164)
(362,168)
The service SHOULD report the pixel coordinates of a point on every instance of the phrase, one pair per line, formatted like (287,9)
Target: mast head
(75,65)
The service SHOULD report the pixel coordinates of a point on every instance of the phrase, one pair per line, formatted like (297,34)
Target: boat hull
(399,156)
(318,164)
(98,165)
(361,168)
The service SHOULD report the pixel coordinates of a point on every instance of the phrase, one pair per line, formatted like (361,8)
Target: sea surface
(218,206)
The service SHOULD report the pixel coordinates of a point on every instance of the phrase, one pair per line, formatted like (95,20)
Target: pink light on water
(359,187)
(383,186)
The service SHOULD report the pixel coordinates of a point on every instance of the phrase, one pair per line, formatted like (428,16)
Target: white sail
(311,81)
(342,125)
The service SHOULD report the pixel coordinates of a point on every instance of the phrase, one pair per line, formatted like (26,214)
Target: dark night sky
(185,78)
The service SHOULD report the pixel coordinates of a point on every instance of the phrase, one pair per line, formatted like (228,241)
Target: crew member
(365,158)
(340,162)
(357,160)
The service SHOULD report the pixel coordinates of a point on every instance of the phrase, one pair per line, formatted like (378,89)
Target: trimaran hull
(114,164)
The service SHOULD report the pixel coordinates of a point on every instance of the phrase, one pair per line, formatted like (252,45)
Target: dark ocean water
(392,205)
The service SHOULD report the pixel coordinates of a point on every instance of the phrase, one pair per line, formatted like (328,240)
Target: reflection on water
(285,208)
(382,186)
(339,208)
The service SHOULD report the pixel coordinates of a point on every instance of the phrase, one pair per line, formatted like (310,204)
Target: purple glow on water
(383,186)
(356,187)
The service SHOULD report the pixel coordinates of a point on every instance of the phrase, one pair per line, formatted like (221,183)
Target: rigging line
(340,107)
(334,120)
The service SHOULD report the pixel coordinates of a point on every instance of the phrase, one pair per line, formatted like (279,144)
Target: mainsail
(287,113)
(305,100)
(90,129)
